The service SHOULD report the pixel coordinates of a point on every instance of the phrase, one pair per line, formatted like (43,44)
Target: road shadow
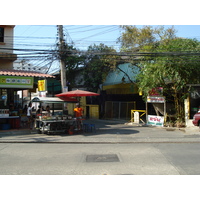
(102,127)
(111,132)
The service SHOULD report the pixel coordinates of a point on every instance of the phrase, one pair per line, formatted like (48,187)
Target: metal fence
(119,109)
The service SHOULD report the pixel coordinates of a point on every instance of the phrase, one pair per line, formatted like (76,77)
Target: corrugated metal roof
(24,73)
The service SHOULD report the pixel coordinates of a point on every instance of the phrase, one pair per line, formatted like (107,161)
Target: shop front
(11,104)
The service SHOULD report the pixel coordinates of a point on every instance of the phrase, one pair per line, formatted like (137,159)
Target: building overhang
(24,73)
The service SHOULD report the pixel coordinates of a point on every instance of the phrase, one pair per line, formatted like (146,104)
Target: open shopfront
(11,105)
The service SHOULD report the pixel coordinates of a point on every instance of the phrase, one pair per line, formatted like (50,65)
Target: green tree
(164,60)
(72,61)
(134,39)
(172,65)
(99,60)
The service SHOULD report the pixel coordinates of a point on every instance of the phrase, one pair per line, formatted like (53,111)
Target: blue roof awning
(118,76)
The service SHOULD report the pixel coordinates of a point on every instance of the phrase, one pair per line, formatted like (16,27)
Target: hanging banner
(155,120)
(16,82)
(41,85)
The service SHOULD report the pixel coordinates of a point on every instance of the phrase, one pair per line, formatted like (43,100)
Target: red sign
(156,91)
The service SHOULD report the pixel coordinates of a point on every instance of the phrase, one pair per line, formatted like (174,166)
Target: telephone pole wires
(62,61)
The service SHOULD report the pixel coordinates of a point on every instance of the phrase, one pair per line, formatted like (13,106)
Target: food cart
(48,126)
(52,123)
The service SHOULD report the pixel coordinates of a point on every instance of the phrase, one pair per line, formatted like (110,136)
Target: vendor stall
(54,125)
(55,122)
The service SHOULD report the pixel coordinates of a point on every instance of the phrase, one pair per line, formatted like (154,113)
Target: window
(1,34)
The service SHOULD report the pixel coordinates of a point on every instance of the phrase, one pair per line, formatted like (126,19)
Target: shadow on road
(103,127)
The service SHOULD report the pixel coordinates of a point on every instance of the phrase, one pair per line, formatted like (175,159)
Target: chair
(93,128)
(89,127)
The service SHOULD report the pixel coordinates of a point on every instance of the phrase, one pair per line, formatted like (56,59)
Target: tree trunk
(179,106)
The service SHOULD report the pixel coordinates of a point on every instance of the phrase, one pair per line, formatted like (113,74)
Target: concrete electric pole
(62,62)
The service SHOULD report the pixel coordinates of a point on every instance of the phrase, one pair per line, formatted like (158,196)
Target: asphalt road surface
(100,159)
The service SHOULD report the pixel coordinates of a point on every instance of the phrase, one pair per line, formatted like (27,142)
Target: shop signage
(41,85)
(155,120)
(156,91)
(16,82)
(153,99)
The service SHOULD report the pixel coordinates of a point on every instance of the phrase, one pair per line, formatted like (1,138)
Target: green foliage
(134,38)
(175,66)
(98,62)
(169,62)
(72,62)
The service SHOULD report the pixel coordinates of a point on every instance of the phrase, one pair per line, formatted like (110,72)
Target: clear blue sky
(44,37)
(83,35)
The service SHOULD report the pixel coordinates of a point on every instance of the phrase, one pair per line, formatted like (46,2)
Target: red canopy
(76,93)
(69,99)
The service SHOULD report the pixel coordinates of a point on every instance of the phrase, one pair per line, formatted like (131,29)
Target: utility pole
(62,62)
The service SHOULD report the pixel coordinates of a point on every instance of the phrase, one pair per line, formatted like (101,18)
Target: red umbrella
(69,99)
(76,93)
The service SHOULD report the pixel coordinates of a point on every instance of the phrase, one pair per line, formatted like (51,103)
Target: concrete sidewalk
(107,131)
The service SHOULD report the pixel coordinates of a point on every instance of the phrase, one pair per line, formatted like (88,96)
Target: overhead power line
(41,50)
(54,51)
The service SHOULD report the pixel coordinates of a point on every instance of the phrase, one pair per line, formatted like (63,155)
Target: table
(53,125)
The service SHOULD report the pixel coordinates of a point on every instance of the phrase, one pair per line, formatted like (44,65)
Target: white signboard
(152,99)
(155,120)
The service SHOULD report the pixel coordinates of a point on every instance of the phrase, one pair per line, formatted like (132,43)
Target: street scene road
(115,148)
(71,159)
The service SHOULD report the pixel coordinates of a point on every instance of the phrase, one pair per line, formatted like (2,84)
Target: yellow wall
(94,111)
(127,88)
